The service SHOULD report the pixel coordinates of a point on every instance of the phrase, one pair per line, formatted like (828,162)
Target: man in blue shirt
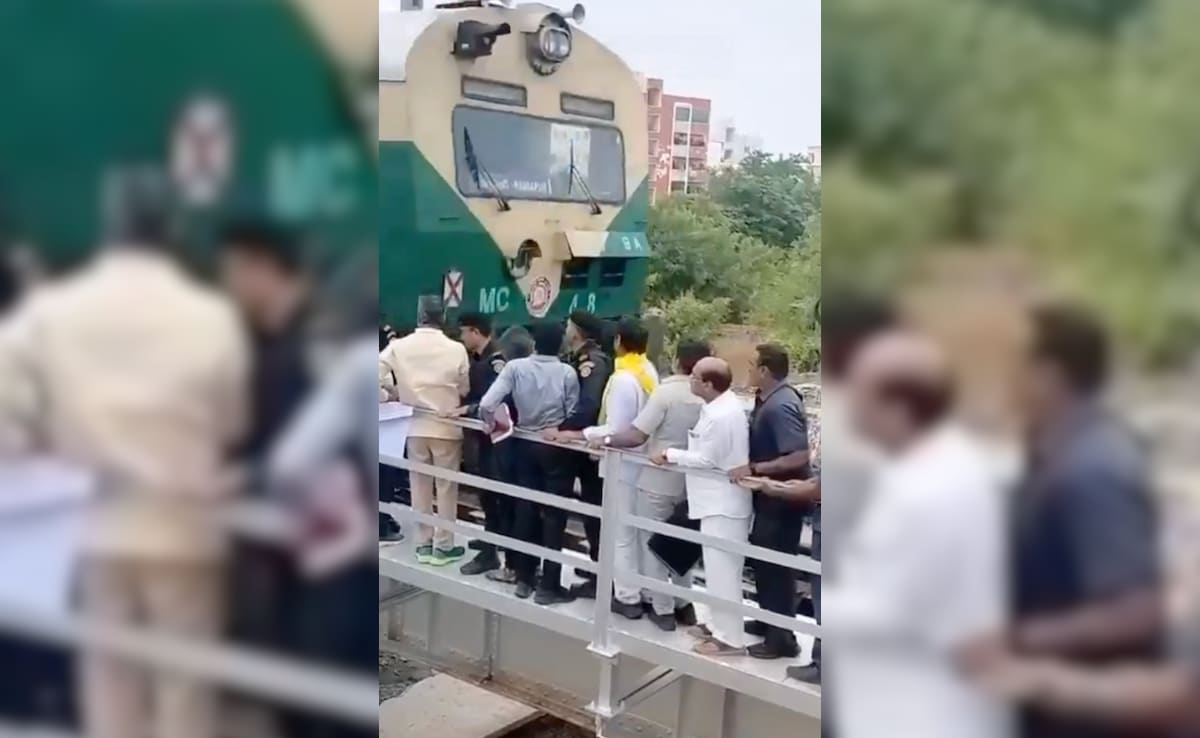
(1085,565)
(779,451)
(545,392)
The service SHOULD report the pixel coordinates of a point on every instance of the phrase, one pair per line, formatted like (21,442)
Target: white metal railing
(330,691)
(612,518)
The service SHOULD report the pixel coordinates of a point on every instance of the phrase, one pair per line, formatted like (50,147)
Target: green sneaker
(444,556)
(425,555)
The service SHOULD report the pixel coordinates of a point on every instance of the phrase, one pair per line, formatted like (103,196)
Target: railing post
(601,636)
(606,560)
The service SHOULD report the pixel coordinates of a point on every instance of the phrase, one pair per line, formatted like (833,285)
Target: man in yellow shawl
(634,378)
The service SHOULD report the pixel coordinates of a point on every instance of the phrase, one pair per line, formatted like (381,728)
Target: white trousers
(627,558)
(658,506)
(723,575)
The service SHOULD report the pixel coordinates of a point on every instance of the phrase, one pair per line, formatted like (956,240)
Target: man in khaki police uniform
(140,375)
(430,371)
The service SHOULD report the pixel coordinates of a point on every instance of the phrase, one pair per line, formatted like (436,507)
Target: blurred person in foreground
(633,379)
(545,392)
(35,679)
(671,412)
(720,442)
(850,319)
(431,372)
(143,378)
(586,334)
(261,269)
(1086,573)
(493,460)
(923,572)
(321,467)
(778,450)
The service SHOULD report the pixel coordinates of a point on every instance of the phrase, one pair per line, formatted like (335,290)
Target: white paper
(394,411)
(43,506)
(393,433)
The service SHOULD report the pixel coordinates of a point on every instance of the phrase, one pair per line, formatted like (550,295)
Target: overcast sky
(720,49)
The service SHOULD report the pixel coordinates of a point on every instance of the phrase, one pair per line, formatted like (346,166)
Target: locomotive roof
(400,27)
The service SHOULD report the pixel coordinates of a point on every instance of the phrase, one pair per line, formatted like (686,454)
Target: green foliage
(769,198)
(749,254)
(687,316)
(978,121)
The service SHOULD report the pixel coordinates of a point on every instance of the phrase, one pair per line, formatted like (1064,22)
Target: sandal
(714,647)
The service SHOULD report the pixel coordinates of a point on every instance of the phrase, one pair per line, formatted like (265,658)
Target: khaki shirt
(427,370)
(135,372)
(671,411)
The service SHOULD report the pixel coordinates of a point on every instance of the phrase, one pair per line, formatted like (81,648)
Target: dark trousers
(336,625)
(36,684)
(496,462)
(591,491)
(546,469)
(777,526)
(393,487)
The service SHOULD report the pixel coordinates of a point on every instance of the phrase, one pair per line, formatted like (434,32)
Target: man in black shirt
(487,361)
(594,366)
(779,451)
(261,269)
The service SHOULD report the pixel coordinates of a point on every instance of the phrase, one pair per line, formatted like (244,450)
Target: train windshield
(511,155)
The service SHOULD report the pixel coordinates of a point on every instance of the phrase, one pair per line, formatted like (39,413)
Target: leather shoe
(664,622)
(556,596)
(631,612)
(481,564)
(524,589)
(584,590)
(770,651)
(809,673)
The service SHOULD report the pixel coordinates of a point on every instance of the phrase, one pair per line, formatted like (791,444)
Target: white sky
(758,60)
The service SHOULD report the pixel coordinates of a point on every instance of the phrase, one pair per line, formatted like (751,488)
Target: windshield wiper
(576,174)
(477,169)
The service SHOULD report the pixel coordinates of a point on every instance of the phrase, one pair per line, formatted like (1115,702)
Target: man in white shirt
(721,442)
(430,371)
(634,378)
(669,415)
(923,573)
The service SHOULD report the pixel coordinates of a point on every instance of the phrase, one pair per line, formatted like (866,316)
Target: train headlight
(555,44)
(550,45)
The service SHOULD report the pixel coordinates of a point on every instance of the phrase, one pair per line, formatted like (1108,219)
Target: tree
(769,198)
(997,122)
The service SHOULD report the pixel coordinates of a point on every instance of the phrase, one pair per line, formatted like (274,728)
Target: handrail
(287,679)
(605,567)
(292,681)
(628,456)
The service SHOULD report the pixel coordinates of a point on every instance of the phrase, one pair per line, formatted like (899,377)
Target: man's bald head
(902,384)
(711,378)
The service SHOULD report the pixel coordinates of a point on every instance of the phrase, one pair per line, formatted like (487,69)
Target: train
(513,158)
(260,110)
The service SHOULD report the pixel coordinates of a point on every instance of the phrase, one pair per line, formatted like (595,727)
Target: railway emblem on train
(202,150)
(541,294)
(452,288)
